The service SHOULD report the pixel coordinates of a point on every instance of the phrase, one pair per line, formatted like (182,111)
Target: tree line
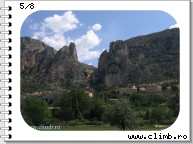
(127,112)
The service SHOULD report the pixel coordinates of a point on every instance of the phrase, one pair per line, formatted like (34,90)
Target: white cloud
(96,27)
(174,26)
(38,34)
(41,33)
(89,40)
(62,23)
(58,24)
(57,41)
(52,31)
(89,55)
(85,44)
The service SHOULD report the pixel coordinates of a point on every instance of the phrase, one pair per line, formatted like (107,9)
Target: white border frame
(21,131)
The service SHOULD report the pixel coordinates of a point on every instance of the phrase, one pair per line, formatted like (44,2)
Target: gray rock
(142,59)
(42,64)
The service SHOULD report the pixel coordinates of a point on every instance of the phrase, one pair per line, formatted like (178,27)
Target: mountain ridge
(142,59)
(42,64)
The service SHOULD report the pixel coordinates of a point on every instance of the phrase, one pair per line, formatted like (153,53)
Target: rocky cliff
(142,59)
(44,66)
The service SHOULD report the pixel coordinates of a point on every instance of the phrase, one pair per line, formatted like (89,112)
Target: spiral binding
(9,72)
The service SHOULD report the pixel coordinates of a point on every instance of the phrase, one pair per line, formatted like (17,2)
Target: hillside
(42,65)
(142,59)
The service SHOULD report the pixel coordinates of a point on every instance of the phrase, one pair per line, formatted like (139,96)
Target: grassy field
(152,127)
(90,128)
(104,128)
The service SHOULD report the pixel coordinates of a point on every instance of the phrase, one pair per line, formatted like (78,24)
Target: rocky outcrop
(142,59)
(67,53)
(35,53)
(42,64)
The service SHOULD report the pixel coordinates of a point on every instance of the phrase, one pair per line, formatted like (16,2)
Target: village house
(34,94)
(125,91)
(151,88)
(90,94)
(154,88)
(48,96)
(142,89)
(51,96)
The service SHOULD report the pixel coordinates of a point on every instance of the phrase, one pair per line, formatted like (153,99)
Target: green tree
(158,98)
(164,86)
(75,104)
(175,88)
(139,99)
(173,104)
(157,115)
(97,109)
(66,107)
(160,114)
(106,95)
(35,111)
(120,114)
(57,114)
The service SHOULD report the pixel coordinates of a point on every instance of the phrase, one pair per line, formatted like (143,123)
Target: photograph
(111,70)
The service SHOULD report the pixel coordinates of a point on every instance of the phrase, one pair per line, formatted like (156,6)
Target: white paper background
(178,9)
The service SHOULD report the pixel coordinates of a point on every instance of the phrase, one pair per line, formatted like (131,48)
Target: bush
(174,88)
(75,122)
(164,86)
(120,115)
(35,111)
(75,104)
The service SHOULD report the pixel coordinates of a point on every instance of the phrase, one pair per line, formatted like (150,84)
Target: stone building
(153,88)
(90,94)
(125,91)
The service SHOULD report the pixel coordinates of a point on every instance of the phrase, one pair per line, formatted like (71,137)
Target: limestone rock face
(36,54)
(42,64)
(67,53)
(142,59)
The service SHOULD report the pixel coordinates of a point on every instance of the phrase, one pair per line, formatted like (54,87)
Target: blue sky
(92,31)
